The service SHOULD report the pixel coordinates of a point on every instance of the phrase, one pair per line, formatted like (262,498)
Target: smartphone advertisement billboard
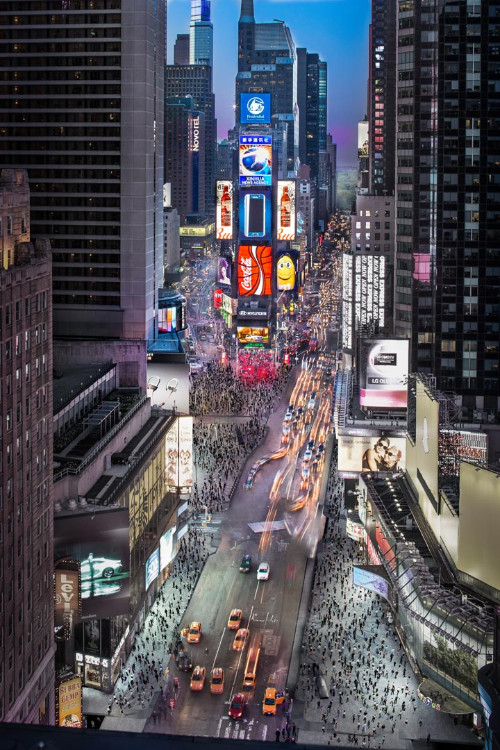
(384,374)
(255,160)
(255,264)
(250,335)
(255,215)
(255,109)
(285,210)
(360,453)
(100,543)
(286,271)
(224,210)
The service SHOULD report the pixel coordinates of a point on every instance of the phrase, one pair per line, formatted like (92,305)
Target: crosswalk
(241,730)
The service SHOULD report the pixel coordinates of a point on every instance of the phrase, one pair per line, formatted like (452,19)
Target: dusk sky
(336,29)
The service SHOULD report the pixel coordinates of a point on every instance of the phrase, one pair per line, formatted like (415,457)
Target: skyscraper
(83,113)
(267,63)
(181,50)
(26,552)
(185,155)
(201,34)
(448,190)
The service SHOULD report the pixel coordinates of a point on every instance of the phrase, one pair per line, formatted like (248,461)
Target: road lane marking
(218,647)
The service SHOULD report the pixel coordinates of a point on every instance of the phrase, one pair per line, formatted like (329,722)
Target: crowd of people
(257,366)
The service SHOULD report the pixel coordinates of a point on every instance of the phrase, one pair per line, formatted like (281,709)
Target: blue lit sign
(255,109)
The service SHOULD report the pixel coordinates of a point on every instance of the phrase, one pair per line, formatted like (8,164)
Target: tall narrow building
(26,514)
(448,192)
(201,34)
(82,112)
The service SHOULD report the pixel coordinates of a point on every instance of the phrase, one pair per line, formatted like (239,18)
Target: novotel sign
(195,134)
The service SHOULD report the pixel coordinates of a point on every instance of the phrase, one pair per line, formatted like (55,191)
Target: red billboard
(217,298)
(255,264)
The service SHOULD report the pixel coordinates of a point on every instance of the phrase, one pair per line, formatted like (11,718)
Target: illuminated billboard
(224,271)
(152,569)
(224,210)
(255,160)
(167,547)
(179,455)
(285,210)
(69,703)
(384,373)
(100,543)
(347,302)
(252,335)
(367,578)
(360,453)
(66,600)
(287,271)
(255,214)
(217,298)
(255,109)
(255,263)
(171,312)
(168,385)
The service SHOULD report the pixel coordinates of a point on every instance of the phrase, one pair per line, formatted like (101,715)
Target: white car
(263,571)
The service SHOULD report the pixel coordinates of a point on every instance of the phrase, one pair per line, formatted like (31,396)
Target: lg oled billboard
(255,264)
(255,215)
(255,159)
(255,109)
(224,210)
(285,210)
(384,374)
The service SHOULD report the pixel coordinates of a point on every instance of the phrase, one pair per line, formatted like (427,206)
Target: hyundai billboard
(255,215)
(255,264)
(255,109)
(255,160)
(384,374)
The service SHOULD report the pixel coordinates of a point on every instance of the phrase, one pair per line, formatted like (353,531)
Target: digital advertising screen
(255,160)
(224,271)
(152,569)
(100,543)
(179,455)
(384,374)
(287,271)
(255,109)
(171,313)
(367,578)
(285,210)
(360,453)
(167,547)
(217,298)
(251,335)
(255,215)
(255,265)
(224,210)
(168,386)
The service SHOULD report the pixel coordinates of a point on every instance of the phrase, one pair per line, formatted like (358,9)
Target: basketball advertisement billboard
(255,264)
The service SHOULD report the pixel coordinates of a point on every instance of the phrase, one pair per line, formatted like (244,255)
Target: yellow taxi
(235,618)
(271,700)
(194,632)
(240,639)
(217,681)
(198,678)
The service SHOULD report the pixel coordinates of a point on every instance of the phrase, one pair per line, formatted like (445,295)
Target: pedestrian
(429,738)
(278,735)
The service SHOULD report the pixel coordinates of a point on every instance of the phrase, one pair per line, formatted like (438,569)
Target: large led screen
(384,374)
(167,547)
(359,453)
(285,210)
(255,109)
(179,455)
(100,543)
(255,263)
(152,569)
(255,160)
(251,335)
(224,210)
(224,271)
(168,386)
(255,214)
(367,578)
(286,271)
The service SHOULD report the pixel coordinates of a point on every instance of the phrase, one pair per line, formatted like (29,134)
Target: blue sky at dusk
(336,29)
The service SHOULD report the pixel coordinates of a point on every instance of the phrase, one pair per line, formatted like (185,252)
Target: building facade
(72,88)
(26,489)
(185,155)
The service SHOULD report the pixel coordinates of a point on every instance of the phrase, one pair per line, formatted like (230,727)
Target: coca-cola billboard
(255,264)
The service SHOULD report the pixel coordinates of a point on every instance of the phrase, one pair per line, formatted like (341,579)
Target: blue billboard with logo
(255,109)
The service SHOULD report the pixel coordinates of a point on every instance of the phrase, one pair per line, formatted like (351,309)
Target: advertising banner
(217,298)
(287,271)
(179,455)
(255,160)
(384,373)
(359,453)
(100,542)
(255,214)
(255,109)
(224,271)
(285,210)
(255,263)
(152,569)
(247,335)
(168,386)
(69,695)
(224,210)
(171,315)
(66,600)
(368,578)
(167,547)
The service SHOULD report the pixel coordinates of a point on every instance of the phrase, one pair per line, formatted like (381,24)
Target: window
(18,310)
(9,224)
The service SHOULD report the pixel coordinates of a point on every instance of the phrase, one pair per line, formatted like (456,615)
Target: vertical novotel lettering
(196,133)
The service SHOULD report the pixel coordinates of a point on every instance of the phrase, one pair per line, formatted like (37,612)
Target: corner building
(26,494)
(81,109)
